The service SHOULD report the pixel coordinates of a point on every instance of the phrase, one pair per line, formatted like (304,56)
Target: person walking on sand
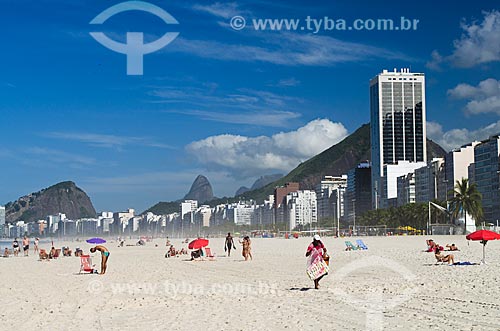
(314,250)
(15,247)
(229,244)
(247,249)
(35,245)
(104,256)
(26,245)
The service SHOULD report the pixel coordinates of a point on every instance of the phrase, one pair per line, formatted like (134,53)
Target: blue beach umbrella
(96,241)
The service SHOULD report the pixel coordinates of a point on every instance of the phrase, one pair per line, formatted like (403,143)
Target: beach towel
(465,263)
(316,266)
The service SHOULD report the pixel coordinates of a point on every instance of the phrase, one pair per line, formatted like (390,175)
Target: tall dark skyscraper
(397,109)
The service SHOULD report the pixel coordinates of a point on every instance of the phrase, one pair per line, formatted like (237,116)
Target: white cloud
(291,49)
(107,141)
(224,10)
(289,82)
(484,98)
(479,43)
(57,156)
(457,137)
(250,156)
(269,118)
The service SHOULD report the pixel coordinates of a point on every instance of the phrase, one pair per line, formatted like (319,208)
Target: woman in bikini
(104,256)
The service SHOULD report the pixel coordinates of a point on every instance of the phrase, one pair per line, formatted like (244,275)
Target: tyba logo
(134,48)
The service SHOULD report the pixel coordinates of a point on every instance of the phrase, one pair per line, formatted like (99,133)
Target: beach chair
(86,264)
(361,244)
(350,246)
(208,253)
(57,253)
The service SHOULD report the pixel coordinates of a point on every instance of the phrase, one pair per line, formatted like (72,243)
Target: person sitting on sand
(444,258)
(78,251)
(43,255)
(104,256)
(197,254)
(430,245)
(172,251)
(67,251)
(452,247)
(52,252)
(6,252)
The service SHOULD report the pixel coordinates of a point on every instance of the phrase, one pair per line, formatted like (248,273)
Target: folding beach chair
(350,246)
(208,253)
(57,253)
(86,264)
(361,244)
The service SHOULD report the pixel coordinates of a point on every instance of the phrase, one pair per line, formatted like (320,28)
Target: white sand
(144,290)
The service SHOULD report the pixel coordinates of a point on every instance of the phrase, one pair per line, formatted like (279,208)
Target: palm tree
(466,199)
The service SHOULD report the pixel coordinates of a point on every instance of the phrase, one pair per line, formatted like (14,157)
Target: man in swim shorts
(104,256)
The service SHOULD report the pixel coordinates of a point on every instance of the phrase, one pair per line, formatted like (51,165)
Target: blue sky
(232,105)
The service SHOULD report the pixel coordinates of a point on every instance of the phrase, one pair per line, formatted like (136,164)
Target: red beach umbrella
(483,236)
(198,243)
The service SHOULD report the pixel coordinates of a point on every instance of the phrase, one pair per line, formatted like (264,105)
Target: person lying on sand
(444,258)
(452,247)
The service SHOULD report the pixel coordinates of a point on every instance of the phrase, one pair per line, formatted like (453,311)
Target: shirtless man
(104,256)
(26,245)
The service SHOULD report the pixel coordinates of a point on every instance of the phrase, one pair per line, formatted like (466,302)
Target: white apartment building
(301,208)
(390,180)
(330,197)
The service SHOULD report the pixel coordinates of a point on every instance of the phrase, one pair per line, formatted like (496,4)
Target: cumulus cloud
(479,43)
(250,156)
(484,98)
(458,137)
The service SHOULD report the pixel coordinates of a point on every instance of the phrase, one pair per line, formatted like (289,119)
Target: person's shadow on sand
(302,289)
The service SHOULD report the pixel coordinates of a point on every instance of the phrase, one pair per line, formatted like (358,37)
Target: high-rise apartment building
(398,133)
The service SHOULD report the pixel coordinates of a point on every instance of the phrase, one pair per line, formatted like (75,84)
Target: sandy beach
(393,285)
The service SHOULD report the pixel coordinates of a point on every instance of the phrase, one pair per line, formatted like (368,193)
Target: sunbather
(52,252)
(444,258)
(452,247)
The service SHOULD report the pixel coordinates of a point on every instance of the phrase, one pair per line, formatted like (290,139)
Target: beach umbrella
(96,241)
(198,243)
(483,236)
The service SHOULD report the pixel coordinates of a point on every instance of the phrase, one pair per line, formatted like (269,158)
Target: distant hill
(261,182)
(64,197)
(201,190)
(164,208)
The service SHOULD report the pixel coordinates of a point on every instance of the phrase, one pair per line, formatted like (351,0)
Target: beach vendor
(104,256)
(316,266)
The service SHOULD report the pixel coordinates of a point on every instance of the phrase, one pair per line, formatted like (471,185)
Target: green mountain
(335,161)
(64,197)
